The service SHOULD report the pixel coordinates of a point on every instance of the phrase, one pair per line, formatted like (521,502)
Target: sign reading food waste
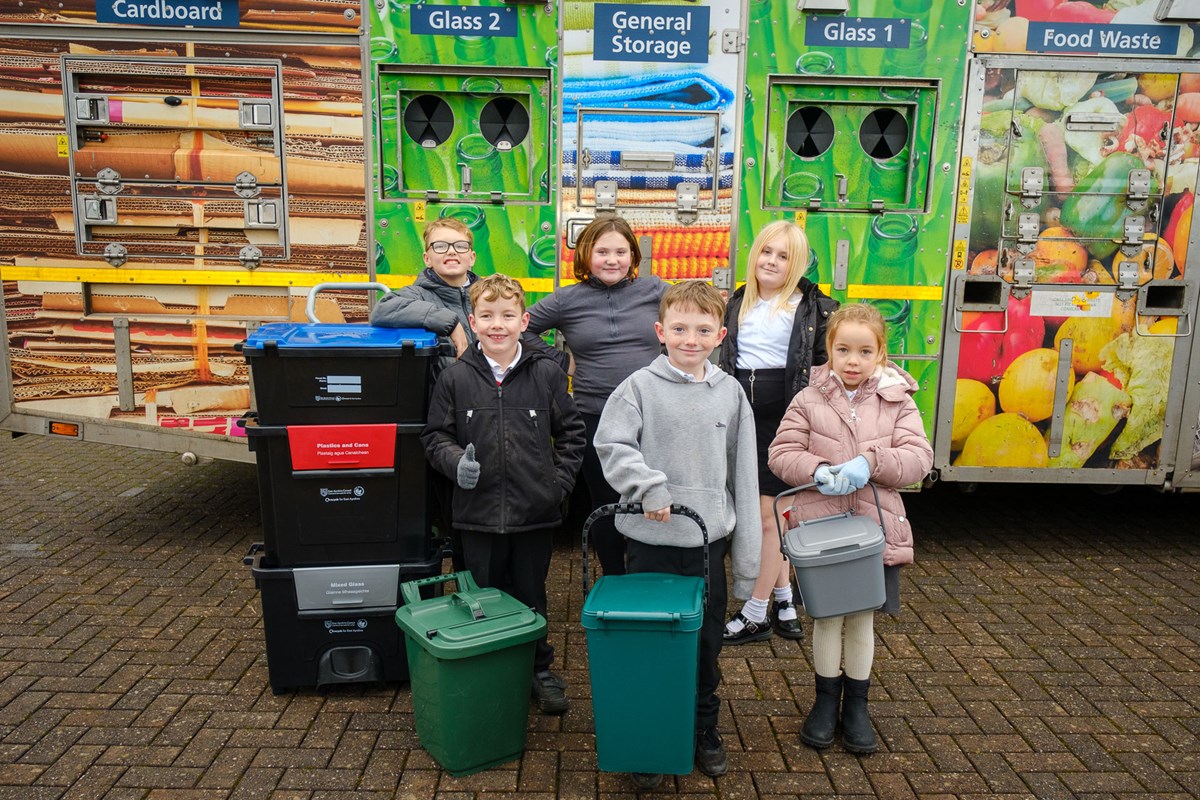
(1070,303)
(1127,40)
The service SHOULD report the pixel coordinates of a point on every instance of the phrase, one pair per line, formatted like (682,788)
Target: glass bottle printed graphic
(890,254)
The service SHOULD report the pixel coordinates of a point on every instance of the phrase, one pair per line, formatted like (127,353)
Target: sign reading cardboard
(175,13)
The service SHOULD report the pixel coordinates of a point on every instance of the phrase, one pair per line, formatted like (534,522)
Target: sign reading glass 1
(856,32)
(430,20)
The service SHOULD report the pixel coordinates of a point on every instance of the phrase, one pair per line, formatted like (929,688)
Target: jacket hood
(889,381)
(661,367)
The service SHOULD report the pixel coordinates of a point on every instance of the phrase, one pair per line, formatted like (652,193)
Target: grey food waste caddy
(838,561)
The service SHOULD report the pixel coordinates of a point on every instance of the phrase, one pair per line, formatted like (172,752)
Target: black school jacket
(806,349)
(528,439)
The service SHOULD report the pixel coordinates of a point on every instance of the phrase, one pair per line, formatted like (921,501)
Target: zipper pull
(751,386)
(534,417)
(470,411)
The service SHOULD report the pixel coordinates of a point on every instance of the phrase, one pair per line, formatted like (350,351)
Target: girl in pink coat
(856,421)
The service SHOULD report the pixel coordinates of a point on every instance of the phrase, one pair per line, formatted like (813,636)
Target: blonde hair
(606,223)
(497,287)
(453,224)
(863,314)
(797,262)
(696,294)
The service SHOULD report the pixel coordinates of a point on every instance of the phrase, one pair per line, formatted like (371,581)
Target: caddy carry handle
(795,489)
(310,307)
(411,590)
(612,509)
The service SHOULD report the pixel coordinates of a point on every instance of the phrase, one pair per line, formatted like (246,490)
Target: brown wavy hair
(601,225)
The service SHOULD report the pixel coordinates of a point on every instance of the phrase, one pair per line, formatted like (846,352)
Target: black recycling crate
(329,373)
(342,494)
(332,625)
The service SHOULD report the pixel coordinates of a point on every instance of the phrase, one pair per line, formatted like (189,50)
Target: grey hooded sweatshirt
(664,439)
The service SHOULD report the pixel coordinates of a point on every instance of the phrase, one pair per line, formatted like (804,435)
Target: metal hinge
(732,40)
(1031,186)
(109,180)
(606,195)
(115,254)
(687,199)
(245,185)
(250,256)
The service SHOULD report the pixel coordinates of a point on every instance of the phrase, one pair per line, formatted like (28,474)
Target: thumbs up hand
(468,469)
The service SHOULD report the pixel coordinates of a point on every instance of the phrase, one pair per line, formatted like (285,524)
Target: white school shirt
(498,372)
(763,337)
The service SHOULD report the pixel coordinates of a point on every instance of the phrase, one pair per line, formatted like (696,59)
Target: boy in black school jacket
(503,428)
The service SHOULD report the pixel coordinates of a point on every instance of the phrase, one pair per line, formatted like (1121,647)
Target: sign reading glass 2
(430,20)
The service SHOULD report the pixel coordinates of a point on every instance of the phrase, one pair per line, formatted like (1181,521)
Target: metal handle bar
(310,307)
(796,489)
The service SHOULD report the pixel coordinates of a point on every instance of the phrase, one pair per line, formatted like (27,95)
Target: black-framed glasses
(441,248)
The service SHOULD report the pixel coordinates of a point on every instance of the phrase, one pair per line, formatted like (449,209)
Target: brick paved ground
(1048,648)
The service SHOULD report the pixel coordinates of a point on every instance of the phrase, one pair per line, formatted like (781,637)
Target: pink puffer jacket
(822,426)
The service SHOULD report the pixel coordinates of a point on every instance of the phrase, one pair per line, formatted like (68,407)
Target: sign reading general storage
(676,34)
(174,13)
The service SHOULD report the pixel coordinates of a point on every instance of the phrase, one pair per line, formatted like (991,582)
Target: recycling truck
(1009,181)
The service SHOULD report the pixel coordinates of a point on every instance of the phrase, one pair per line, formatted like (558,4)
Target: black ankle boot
(857,734)
(821,722)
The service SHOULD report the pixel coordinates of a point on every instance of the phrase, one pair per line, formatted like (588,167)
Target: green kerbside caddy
(470,663)
(643,635)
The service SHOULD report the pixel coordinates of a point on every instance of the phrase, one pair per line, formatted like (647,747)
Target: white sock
(783,594)
(755,610)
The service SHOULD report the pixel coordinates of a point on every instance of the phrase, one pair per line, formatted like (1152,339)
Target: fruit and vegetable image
(1113,212)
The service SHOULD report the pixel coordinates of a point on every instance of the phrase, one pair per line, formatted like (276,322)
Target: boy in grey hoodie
(682,431)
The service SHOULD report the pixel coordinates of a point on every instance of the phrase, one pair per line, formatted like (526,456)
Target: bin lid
(831,539)
(645,599)
(302,338)
(470,623)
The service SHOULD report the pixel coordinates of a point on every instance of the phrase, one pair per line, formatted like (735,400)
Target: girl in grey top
(607,319)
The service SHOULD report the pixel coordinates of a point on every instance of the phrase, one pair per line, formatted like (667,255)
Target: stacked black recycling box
(343,486)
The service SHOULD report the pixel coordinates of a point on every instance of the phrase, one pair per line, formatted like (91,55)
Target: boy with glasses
(438,300)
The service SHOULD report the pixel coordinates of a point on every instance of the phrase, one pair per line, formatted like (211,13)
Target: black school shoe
(551,693)
(710,753)
(787,628)
(646,781)
(750,631)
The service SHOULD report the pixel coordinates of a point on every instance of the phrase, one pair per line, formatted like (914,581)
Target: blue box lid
(341,336)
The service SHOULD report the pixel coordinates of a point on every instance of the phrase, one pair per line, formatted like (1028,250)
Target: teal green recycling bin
(470,665)
(643,637)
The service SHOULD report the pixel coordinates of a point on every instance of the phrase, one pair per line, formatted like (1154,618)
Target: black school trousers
(517,564)
(604,538)
(690,561)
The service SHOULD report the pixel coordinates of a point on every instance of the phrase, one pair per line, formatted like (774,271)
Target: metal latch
(245,185)
(823,6)
(606,195)
(1024,272)
(262,213)
(843,187)
(1135,230)
(646,161)
(1091,121)
(722,278)
(585,159)
(109,180)
(732,40)
(1139,188)
(256,114)
(115,254)
(250,256)
(1031,186)
(465,173)
(687,198)
(91,108)
(99,210)
(1028,226)
(1127,278)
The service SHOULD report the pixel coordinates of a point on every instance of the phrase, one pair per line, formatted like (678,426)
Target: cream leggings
(860,645)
